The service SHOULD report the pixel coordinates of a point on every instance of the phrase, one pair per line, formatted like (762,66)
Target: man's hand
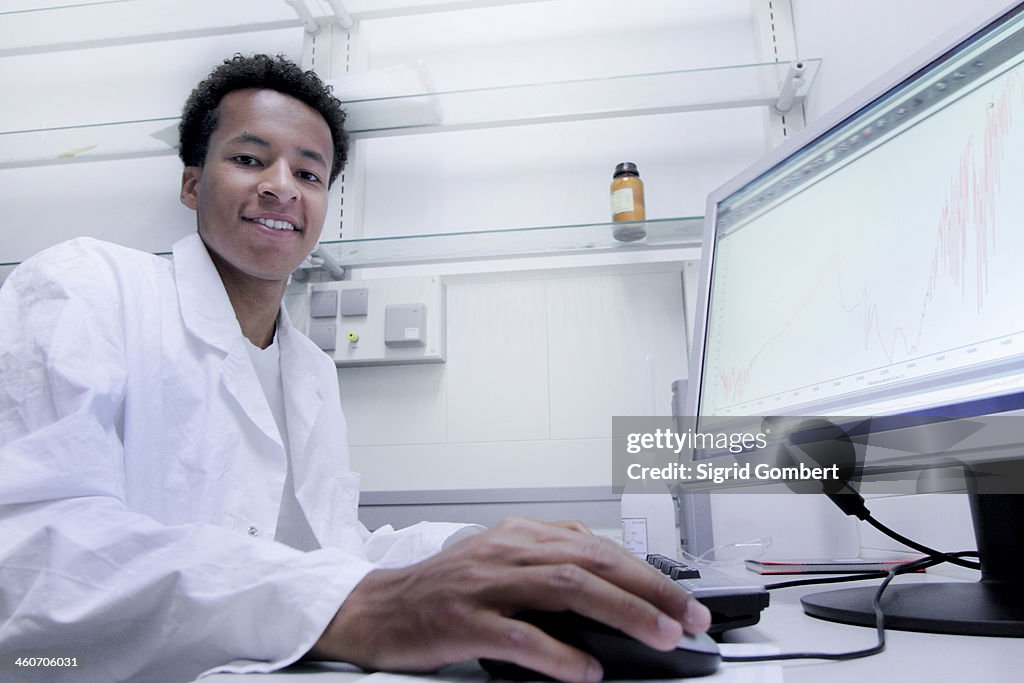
(457,605)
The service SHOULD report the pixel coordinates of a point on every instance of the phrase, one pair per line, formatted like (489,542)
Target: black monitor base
(977,609)
(993,606)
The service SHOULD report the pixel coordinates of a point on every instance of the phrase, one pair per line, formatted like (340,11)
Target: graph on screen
(902,294)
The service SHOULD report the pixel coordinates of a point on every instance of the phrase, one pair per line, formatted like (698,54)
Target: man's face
(261,195)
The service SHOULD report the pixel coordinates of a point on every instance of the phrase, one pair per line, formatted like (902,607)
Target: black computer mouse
(621,655)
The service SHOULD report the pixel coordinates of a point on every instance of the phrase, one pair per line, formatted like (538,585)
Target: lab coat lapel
(207,313)
(327,491)
(242,383)
(304,396)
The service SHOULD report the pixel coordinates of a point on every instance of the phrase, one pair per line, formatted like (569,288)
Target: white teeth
(276,225)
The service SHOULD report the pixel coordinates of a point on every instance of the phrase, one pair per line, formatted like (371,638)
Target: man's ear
(190,185)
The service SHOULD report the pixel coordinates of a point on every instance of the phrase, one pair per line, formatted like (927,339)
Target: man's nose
(277,181)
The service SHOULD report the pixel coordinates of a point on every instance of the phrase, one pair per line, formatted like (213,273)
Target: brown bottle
(628,202)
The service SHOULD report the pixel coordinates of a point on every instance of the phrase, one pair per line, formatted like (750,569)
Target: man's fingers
(697,618)
(512,640)
(546,545)
(573,525)
(569,587)
(604,558)
(466,595)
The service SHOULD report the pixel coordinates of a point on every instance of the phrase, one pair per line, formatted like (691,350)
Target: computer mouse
(621,655)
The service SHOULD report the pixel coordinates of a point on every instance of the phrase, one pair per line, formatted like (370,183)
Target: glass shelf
(69,26)
(28,28)
(723,87)
(673,91)
(560,240)
(96,142)
(667,233)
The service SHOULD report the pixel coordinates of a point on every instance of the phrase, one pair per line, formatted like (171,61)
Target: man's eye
(311,177)
(245,159)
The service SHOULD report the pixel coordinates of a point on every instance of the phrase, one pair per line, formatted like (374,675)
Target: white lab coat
(142,476)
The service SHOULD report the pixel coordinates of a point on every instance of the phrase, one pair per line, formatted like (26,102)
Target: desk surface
(784,626)
(907,657)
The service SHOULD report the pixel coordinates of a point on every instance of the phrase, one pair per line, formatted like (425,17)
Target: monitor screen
(876,268)
(872,267)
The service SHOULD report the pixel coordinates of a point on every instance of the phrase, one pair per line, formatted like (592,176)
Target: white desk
(909,657)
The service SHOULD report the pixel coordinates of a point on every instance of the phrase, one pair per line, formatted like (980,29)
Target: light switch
(405,325)
(355,301)
(323,304)
(324,335)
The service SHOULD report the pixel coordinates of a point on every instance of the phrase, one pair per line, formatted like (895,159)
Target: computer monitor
(873,266)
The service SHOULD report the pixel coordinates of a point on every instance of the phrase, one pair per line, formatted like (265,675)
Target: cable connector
(850,502)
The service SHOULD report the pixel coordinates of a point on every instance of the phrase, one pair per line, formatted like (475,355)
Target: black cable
(951,558)
(833,656)
(850,501)
(852,576)
(905,568)
(876,605)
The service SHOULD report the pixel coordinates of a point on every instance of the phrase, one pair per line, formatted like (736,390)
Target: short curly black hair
(199,118)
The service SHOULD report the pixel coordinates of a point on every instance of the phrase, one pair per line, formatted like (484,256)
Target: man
(176,495)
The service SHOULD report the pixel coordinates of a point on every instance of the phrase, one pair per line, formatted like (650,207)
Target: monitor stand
(993,606)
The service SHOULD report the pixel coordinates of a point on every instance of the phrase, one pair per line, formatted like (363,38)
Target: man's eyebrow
(251,139)
(313,155)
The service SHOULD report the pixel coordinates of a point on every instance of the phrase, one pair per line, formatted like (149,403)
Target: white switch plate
(369,347)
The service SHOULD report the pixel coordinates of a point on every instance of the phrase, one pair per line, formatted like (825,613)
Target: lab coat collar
(207,313)
(204,302)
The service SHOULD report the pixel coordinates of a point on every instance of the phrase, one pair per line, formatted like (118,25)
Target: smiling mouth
(273,224)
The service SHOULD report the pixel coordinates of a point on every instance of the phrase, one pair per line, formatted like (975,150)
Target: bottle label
(622,201)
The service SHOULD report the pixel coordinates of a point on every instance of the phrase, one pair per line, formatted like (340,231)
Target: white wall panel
(497,362)
(861,41)
(394,405)
(617,343)
(552,41)
(939,520)
(538,363)
(563,463)
(123,83)
(799,526)
(551,174)
(132,202)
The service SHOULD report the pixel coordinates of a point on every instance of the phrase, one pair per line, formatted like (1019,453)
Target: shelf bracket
(342,18)
(308,22)
(775,34)
(319,260)
(793,82)
(327,262)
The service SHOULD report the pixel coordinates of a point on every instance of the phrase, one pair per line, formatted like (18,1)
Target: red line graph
(966,219)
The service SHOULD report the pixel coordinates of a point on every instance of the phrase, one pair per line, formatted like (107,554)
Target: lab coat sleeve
(388,547)
(82,575)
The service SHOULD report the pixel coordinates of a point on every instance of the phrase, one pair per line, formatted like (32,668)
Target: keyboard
(731,601)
